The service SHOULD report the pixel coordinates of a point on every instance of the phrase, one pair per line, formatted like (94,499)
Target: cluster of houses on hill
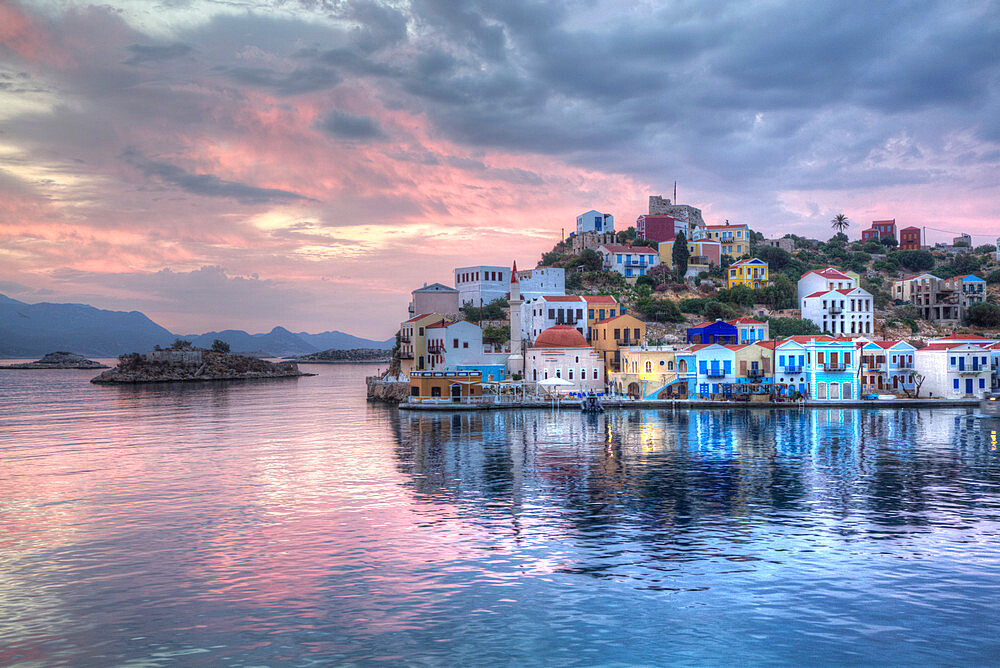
(590,343)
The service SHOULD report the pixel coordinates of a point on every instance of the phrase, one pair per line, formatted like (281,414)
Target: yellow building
(702,254)
(735,239)
(751,273)
(445,386)
(413,342)
(658,372)
(600,307)
(609,335)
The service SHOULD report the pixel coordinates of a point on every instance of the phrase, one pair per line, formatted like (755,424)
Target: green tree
(496,335)
(780,328)
(626,236)
(888,242)
(984,314)
(914,260)
(180,344)
(590,260)
(840,223)
(658,310)
(776,258)
(220,346)
(781,294)
(646,279)
(680,256)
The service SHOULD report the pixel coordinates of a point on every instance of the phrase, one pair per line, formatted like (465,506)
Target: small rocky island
(334,356)
(192,364)
(59,360)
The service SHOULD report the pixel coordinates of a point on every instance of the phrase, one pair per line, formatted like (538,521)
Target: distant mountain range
(27,330)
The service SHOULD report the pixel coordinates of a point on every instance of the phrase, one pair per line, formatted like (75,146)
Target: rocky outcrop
(208,365)
(60,360)
(390,390)
(354,355)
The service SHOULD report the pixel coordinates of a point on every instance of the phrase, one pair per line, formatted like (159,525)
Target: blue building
(713,332)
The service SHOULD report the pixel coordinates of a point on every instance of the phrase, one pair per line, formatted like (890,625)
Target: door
(961,364)
(456,393)
(968,384)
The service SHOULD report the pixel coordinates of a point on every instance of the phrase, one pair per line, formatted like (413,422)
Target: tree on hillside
(180,344)
(626,236)
(680,255)
(984,314)
(590,260)
(220,346)
(776,258)
(840,223)
(914,260)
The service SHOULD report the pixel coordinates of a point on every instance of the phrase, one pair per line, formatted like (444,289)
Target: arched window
(670,366)
(649,367)
(682,366)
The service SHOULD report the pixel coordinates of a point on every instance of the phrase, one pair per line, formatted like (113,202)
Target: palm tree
(840,222)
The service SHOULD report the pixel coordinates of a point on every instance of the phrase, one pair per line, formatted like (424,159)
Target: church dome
(560,336)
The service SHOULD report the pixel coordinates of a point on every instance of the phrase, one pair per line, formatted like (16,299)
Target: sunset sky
(307,164)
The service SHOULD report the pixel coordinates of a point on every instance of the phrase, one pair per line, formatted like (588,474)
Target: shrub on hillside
(783,327)
(658,310)
(914,260)
(984,314)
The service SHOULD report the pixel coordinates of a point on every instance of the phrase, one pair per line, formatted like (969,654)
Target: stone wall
(389,391)
(659,206)
(175,356)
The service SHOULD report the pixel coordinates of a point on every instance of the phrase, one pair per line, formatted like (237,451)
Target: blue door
(961,364)
(968,385)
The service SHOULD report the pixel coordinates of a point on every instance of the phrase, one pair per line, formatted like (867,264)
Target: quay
(485,403)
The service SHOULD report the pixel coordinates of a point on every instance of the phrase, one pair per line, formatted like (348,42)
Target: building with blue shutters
(716,370)
(719,331)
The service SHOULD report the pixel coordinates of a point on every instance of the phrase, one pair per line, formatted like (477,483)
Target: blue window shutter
(781,360)
(956,384)
(703,367)
(727,366)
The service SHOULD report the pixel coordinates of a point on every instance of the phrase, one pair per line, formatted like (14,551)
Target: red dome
(560,336)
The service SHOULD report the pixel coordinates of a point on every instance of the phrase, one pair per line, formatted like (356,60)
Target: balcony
(404,339)
(405,354)
(792,369)
(873,366)
(834,367)
(435,348)
(755,373)
(904,365)
(969,371)
(715,373)
(834,310)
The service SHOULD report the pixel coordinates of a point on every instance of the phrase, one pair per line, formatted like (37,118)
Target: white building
(595,221)
(840,312)
(451,344)
(562,352)
(750,330)
(540,282)
(953,370)
(538,315)
(824,279)
(629,261)
(481,284)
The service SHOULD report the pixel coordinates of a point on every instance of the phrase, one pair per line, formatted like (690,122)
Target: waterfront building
(481,284)
(550,310)
(886,366)
(879,229)
(600,307)
(790,368)
(413,341)
(750,330)
(954,370)
(826,366)
(703,254)
(629,261)
(713,332)
(654,372)
(610,335)
(595,221)
(442,386)
(456,345)
(754,362)
(824,279)
(970,289)
(734,239)
(562,352)
(715,370)
(842,312)
(434,298)
(936,299)
(751,273)
(909,238)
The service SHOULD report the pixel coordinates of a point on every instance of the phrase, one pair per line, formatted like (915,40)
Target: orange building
(909,238)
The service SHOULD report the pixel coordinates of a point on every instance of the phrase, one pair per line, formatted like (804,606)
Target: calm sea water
(290,522)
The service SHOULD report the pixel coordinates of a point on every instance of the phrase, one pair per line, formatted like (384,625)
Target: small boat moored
(591,404)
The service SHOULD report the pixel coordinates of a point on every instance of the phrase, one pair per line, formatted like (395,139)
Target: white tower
(515,362)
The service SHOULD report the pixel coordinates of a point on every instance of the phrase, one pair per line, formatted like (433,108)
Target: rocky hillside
(60,360)
(197,365)
(355,355)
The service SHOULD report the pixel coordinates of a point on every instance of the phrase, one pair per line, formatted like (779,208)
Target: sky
(246,164)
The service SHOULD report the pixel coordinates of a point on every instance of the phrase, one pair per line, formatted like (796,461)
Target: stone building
(434,298)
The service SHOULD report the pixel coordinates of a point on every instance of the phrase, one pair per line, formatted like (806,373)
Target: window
(595,373)
(649,367)
(454,343)
(420,332)
(635,332)
(590,313)
(570,374)
(618,334)
(465,344)
(552,314)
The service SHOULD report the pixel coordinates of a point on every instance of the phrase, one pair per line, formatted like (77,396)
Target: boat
(591,404)
(989,405)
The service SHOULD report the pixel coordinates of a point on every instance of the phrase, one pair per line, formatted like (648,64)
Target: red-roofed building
(553,310)
(954,370)
(845,311)
(659,228)
(750,330)
(562,352)
(734,240)
(413,355)
(879,229)
(824,279)
(600,307)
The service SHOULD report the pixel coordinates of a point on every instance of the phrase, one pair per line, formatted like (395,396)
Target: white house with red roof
(886,366)
(954,370)
(841,312)
(552,310)
(629,261)
(824,279)
(562,352)
(750,330)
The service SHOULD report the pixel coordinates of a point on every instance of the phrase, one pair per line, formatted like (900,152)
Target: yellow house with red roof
(600,307)
(751,273)
(609,335)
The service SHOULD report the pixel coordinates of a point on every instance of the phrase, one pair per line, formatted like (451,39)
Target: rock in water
(162,366)
(60,360)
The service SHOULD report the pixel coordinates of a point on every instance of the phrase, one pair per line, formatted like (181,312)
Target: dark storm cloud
(350,126)
(147,53)
(207,185)
(298,81)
